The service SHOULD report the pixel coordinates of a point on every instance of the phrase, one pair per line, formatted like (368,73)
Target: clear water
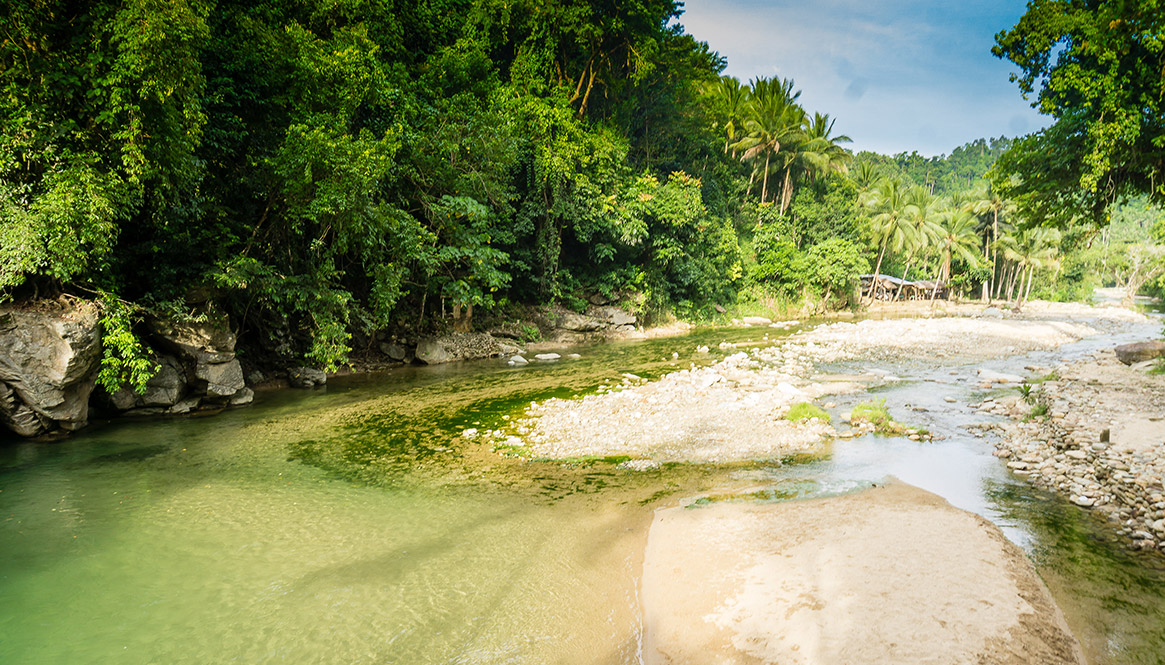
(355,525)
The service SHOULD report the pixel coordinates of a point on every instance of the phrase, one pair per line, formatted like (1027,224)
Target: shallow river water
(355,525)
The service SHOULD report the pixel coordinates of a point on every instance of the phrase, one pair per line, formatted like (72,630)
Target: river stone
(1140,351)
(547,356)
(49,359)
(519,360)
(431,352)
(756,321)
(306,377)
(991,376)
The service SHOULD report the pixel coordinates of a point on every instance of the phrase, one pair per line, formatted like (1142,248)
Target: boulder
(243,397)
(568,320)
(49,358)
(222,379)
(1140,351)
(432,352)
(167,386)
(394,351)
(519,360)
(306,377)
(209,341)
(612,316)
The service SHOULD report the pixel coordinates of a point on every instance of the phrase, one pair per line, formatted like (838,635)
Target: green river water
(355,525)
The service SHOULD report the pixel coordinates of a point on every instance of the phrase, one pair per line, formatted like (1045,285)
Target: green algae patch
(803,411)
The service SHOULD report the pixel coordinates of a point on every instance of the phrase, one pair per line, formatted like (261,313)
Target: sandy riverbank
(889,575)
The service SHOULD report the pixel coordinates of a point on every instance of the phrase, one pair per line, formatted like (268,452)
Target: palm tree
(865,176)
(816,155)
(988,200)
(1029,249)
(772,120)
(924,215)
(891,221)
(958,238)
(729,100)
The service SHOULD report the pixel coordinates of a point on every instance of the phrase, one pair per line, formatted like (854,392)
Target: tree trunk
(994,256)
(877,270)
(1031,272)
(764,193)
(786,192)
(906,272)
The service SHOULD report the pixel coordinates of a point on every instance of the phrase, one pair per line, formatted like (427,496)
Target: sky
(898,75)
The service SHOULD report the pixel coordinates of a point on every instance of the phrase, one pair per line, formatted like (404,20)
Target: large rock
(306,377)
(568,320)
(460,346)
(166,388)
(432,352)
(612,316)
(222,379)
(209,341)
(1140,351)
(49,358)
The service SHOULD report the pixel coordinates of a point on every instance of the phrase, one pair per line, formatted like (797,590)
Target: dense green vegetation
(322,171)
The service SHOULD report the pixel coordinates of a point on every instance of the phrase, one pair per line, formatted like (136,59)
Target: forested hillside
(324,167)
(324,171)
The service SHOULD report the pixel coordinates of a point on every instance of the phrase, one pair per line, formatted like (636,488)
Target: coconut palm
(728,99)
(772,120)
(891,223)
(924,214)
(958,238)
(1029,249)
(987,200)
(817,154)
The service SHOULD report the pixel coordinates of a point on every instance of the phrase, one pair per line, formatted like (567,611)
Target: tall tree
(1095,68)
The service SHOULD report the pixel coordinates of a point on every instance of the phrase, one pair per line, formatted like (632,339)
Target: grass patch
(876,414)
(1051,376)
(802,411)
(1159,369)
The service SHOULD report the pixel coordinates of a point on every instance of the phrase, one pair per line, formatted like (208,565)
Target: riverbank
(1095,433)
(889,575)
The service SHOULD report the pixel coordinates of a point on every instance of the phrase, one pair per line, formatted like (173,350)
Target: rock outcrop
(461,346)
(197,368)
(1136,352)
(49,358)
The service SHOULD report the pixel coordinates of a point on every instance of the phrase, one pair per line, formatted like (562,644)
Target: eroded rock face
(49,360)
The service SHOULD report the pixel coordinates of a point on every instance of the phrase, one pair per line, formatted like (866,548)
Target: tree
(893,208)
(774,120)
(957,238)
(1095,68)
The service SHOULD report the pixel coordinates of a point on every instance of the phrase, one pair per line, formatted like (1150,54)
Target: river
(355,524)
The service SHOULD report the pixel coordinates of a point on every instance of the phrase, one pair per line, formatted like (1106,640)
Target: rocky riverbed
(735,409)
(1096,434)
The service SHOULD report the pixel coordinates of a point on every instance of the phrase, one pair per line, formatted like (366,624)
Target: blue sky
(898,76)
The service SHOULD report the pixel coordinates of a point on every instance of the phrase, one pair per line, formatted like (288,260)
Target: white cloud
(917,76)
